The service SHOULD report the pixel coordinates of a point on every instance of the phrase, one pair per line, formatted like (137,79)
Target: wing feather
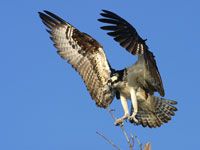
(154,111)
(85,55)
(127,36)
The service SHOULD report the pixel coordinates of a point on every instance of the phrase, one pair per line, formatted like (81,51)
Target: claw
(120,121)
(132,117)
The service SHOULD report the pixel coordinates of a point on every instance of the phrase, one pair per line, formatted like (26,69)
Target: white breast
(124,89)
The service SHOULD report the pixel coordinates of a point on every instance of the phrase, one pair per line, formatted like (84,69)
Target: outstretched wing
(84,53)
(127,36)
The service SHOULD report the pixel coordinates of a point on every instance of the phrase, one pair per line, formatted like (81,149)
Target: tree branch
(109,141)
(139,143)
(130,142)
(130,139)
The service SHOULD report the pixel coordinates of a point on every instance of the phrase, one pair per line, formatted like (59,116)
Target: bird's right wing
(84,53)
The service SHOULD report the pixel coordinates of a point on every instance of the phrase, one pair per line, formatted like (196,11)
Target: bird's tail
(154,111)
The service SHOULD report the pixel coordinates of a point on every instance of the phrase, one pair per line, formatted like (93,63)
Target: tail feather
(154,111)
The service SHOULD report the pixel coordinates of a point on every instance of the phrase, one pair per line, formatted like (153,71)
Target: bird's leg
(126,111)
(134,104)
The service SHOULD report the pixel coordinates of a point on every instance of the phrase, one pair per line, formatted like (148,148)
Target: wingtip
(102,14)
(100,19)
(40,13)
(172,102)
(43,12)
(47,12)
(105,11)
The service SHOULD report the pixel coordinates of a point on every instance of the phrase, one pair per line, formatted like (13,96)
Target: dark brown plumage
(127,36)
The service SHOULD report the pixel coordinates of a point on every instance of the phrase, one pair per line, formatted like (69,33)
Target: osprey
(138,82)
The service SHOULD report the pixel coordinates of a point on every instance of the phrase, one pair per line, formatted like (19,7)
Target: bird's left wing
(85,55)
(126,35)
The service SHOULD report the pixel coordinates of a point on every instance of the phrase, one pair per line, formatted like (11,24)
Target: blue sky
(44,104)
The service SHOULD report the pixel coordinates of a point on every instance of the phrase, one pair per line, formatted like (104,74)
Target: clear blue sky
(44,104)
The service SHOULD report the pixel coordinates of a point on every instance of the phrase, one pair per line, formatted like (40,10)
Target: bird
(137,83)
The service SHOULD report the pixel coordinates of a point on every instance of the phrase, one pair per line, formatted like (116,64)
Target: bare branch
(122,128)
(139,143)
(130,139)
(109,141)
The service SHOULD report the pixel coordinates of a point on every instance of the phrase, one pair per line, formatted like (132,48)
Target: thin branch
(109,141)
(132,139)
(122,128)
(139,143)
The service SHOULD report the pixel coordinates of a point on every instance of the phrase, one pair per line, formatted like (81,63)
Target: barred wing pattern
(155,111)
(127,36)
(85,55)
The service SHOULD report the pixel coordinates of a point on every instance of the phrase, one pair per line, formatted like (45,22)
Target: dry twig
(130,139)
(123,130)
(109,141)
(139,143)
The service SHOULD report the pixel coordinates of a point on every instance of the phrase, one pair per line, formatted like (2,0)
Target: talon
(120,121)
(133,118)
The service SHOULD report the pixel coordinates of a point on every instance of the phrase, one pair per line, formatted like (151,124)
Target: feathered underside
(155,111)
(126,35)
(84,53)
